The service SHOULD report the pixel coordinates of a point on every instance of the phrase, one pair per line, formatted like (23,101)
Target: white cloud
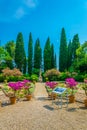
(31,3)
(16,9)
(19,13)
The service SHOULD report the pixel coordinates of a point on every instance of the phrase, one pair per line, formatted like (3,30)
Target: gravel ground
(40,114)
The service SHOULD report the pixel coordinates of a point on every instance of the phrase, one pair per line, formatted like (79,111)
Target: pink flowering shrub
(72,84)
(18,85)
(85,86)
(52,85)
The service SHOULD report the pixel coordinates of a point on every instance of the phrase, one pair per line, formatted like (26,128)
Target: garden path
(40,90)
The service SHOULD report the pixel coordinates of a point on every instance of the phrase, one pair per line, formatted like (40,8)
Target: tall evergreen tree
(47,55)
(20,52)
(52,57)
(25,64)
(55,63)
(69,54)
(30,54)
(63,51)
(75,45)
(37,55)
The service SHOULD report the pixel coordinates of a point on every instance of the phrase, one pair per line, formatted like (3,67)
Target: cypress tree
(52,57)
(69,54)
(30,54)
(55,63)
(47,55)
(37,55)
(20,52)
(75,45)
(63,51)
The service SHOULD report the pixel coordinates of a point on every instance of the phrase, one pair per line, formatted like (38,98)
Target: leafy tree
(5,59)
(30,54)
(10,47)
(63,51)
(20,52)
(81,62)
(37,55)
(47,55)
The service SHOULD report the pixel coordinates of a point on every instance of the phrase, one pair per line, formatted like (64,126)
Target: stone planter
(71,99)
(12,100)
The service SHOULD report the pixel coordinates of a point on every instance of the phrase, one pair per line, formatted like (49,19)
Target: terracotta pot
(12,100)
(53,96)
(85,102)
(0,103)
(28,97)
(71,98)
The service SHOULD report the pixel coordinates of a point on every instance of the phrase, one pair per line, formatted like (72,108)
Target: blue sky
(43,18)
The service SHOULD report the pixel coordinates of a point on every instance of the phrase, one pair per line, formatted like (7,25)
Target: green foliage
(5,59)
(75,45)
(69,55)
(63,52)
(55,62)
(34,77)
(81,63)
(36,71)
(37,55)
(63,76)
(10,47)
(79,78)
(2,78)
(30,54)
(52,57)
(20,52)
(47,55)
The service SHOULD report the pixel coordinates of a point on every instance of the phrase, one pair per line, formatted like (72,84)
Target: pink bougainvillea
(51,84)
(71,83)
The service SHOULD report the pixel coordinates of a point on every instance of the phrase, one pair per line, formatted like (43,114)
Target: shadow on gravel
(83,108)
(42,98)
(71,109)
(5,104)
(48,107)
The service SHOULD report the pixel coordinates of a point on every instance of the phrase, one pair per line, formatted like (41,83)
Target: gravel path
(40,114)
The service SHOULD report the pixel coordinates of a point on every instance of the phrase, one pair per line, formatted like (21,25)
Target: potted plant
(49,88)
(72,84)
(29,89)
(85,89)
(15,86)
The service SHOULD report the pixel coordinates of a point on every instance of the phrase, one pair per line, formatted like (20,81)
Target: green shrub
(52,75)
(63,76)
(2,78)
(12,78)
(34,77)
(79,78)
